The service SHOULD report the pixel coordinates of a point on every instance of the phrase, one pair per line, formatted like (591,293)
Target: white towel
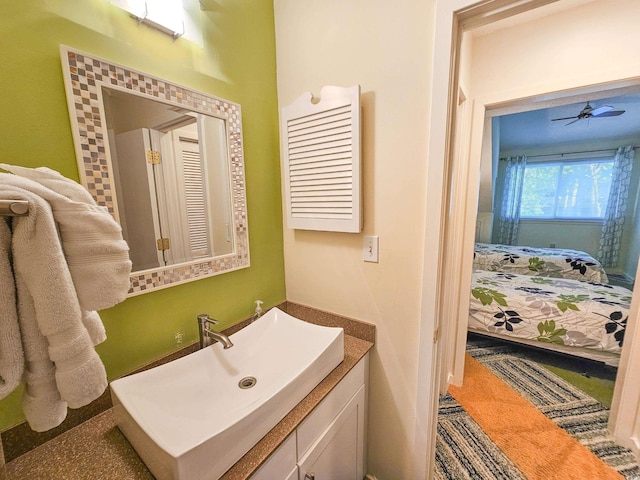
(92,242)
(54,181)
(41,403)
(11,354)
(40,265)
(95,328)
(74,191)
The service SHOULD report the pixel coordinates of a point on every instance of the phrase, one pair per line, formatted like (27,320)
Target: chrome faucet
(207,335)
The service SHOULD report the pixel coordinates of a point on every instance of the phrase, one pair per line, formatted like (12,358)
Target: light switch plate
(370,249)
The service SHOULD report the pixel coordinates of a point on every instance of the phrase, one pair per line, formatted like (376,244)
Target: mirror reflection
(167,162)
(171,175)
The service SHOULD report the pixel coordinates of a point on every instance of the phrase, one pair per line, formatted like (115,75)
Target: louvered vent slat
(319,162)
(322,179)
(320,116)
(323,141)
(323,155)
(337,132)
(311,217)
(334,191)
(319,128)
(340,145)
(300,168)
(320,158)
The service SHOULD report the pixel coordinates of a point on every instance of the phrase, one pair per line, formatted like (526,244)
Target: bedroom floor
(467,450)
(594,378)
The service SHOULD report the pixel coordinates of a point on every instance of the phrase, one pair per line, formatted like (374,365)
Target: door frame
(450,229)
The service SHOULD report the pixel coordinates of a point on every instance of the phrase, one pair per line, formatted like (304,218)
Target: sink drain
(247,382)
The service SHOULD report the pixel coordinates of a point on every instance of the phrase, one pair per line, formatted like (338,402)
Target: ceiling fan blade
(579,118)
(564,118)
(596,112)
(610,113)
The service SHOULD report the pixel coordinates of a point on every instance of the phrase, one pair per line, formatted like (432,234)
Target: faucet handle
(204,318)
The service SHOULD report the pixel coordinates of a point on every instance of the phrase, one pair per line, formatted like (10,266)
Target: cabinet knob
(309,476)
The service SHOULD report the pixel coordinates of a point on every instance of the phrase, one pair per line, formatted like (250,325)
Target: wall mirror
(167,162)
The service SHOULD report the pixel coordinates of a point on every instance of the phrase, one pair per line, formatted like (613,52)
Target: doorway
(554,243)
(531,294)
(571,51)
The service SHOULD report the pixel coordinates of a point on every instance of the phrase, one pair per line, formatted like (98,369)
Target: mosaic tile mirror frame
(84,76)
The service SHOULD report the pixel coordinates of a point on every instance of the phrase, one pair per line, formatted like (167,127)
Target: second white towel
(40,264)
(11,354)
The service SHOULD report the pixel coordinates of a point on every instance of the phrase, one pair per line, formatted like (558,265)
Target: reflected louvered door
(321,161)
(195,197)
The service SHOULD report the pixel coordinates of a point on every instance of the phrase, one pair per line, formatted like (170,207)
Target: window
(566,189)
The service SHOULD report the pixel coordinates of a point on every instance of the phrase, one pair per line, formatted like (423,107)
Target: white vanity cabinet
(330,443)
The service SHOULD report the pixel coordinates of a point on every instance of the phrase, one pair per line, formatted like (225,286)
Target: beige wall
(385,47)
(588,45)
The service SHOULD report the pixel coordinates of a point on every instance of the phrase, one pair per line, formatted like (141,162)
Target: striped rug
(463,449)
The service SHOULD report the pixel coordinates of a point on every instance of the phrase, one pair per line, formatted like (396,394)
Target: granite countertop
(96,449)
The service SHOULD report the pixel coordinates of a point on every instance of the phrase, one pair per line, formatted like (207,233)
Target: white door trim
(624,418)
(430,367)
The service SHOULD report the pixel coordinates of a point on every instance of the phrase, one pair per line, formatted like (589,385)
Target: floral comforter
(550,310)
(544,262)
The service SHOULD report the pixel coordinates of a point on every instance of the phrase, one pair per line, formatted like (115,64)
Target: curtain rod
(571,153)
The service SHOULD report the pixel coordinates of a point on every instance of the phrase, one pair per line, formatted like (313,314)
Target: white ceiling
(534,129)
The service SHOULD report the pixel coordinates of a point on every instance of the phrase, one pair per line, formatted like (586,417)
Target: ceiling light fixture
(167,16)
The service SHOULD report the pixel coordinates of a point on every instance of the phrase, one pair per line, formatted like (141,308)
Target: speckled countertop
(97,450)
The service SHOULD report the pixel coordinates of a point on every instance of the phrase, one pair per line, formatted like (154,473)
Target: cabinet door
(312,427)
(281,464)
(293,475)
(338,453)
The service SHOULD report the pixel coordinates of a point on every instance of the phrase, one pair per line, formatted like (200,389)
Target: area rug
(465,451)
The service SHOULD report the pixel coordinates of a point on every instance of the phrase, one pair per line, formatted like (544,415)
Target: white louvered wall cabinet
(321,164)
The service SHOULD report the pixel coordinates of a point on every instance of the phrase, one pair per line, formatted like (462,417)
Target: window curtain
(511,197)
(610,240)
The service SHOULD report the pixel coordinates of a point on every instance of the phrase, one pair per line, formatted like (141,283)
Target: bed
(544,262)
(584,319)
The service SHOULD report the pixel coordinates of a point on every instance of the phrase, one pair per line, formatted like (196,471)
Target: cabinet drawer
(316,423)
(280,463)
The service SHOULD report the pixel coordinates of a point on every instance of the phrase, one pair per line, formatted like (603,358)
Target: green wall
(237,62)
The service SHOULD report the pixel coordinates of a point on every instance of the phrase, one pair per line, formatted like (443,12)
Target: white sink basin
(189,419)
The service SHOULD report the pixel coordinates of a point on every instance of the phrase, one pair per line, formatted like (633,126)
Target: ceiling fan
(590,112)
